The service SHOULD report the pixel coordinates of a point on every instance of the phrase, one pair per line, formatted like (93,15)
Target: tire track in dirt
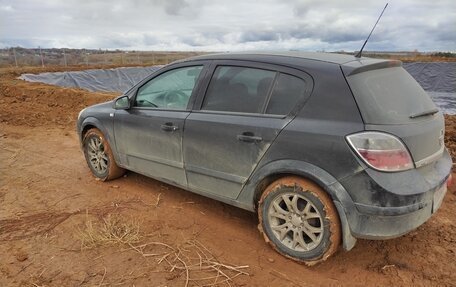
(39,223)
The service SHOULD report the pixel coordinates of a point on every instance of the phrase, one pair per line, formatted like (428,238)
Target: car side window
(238,89)
(170,90)
(287,91)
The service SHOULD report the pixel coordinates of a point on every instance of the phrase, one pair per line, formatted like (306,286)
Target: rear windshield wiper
(425,113)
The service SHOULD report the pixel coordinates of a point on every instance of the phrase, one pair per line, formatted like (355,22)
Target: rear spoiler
(363,65)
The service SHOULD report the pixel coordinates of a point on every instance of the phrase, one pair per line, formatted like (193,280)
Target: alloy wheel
(295,222)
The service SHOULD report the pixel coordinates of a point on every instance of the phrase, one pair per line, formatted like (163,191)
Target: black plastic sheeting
(109,80)
(434,76)
(437,78)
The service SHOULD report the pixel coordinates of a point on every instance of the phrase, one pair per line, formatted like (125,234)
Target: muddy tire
(99,157)
(299,220)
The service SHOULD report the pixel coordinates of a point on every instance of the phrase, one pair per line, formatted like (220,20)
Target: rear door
(244,108)
(149,135)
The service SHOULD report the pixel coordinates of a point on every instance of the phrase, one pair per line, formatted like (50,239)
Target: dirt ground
(61,227)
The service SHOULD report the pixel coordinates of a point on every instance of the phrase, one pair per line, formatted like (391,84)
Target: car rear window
(389,96)
(287,91)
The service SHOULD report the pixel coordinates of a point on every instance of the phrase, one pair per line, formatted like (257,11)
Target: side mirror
(122,103)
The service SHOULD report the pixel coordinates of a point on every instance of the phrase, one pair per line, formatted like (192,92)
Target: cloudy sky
(221,25)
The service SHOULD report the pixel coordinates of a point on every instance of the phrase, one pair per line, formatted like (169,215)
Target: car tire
(99,157)
(299,220)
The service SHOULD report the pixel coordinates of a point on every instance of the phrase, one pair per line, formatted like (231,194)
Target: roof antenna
(358,55)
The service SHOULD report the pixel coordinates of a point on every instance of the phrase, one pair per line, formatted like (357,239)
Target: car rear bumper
(388,205)
(384,225)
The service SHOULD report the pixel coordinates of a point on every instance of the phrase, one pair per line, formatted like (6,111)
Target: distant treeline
(444,54)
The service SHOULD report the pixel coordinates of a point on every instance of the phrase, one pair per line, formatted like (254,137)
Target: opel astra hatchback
(326,148)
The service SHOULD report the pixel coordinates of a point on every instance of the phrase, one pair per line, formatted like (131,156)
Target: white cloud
(220,25)
(6,8)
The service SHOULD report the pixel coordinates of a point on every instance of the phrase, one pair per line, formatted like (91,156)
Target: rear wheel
(299,220)
(99,156)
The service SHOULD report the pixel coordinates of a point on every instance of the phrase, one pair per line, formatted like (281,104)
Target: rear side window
(389,96)
(238,89)
(287,91)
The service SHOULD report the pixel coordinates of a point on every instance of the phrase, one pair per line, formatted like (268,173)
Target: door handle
(249,137)
(169,127)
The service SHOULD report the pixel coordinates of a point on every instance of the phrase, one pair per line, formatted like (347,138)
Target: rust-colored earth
(53,214)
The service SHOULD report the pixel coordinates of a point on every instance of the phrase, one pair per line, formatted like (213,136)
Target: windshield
(390,96)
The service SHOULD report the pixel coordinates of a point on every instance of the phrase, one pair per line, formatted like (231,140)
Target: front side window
(238,89)
(170,90)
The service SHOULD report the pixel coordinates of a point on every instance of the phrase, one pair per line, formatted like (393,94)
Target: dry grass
(426,58)
(114,229)
(192,260)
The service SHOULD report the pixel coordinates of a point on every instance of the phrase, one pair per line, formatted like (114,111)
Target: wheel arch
(92,122)
(85,129)
(272,171)
(89,123)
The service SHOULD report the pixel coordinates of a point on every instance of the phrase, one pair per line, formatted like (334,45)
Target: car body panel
(146,147)
(216,161)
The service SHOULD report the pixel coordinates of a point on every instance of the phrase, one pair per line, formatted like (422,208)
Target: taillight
(381,151)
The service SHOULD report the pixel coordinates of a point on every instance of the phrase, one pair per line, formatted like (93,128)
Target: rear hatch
(390,100)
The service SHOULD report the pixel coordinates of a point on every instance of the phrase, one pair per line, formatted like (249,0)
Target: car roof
(349,63)
(265,55)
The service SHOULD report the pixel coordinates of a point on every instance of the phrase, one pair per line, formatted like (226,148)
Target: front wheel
(299,220)
(99,157)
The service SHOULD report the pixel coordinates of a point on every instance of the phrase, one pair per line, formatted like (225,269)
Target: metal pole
(64,58)
(15,59)
(87,59)
(41,55)
(105,59)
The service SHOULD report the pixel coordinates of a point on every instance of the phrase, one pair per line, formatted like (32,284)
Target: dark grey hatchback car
(326,148)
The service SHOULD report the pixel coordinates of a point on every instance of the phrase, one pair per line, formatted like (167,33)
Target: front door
(149,135)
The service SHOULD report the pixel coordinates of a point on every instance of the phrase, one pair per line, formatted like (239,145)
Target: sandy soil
(53,213)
